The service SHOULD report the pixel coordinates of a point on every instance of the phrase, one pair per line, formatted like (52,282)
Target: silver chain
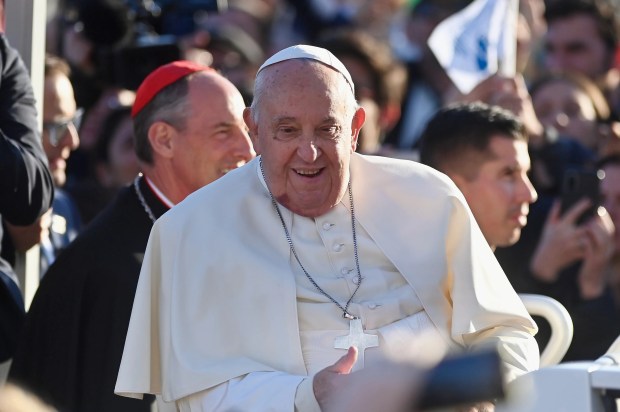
(146,207)
(345,309)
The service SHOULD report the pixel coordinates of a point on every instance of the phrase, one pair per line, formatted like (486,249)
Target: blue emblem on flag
(470,45)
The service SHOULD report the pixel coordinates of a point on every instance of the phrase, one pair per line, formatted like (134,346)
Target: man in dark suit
(61,121)
(26,187)
(189,131)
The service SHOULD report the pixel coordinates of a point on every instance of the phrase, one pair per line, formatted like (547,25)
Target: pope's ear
(161,136)
(252,128)
(356,125)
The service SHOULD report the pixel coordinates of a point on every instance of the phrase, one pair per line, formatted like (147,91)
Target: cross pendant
(357,338)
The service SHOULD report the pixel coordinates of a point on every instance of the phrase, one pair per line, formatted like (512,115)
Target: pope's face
(305,126)
(500,195)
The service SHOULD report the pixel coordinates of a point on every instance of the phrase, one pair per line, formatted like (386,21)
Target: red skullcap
(161,77)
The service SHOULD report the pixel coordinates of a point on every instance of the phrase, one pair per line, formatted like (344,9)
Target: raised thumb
(346,362)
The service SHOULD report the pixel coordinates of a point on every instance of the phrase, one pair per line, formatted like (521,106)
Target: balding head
(305,122)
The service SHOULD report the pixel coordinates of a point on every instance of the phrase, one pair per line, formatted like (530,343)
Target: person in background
(112,162)
(430,88)
(115,161)
(610,191)
(428,84)
(26,185)
(484,150)
(93,37)
(61,117)
(582,36)
(189,131)
(378,77)
(325,260)
(61,121)
(571,106)
(531,28)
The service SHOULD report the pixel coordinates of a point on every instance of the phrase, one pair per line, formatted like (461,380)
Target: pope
(269,288)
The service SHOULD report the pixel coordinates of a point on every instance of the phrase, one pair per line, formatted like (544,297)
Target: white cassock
(225,319)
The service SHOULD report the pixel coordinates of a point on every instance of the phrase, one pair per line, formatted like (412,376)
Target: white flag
(474,43)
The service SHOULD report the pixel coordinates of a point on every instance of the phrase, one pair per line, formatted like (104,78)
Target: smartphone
(579,184)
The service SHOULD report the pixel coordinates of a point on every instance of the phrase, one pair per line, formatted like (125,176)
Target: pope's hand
(328,381)
(385,386)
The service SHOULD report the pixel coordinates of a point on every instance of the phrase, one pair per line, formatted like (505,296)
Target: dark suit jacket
(26,187)
(73,338)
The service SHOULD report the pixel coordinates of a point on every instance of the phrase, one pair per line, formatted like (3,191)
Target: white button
(338,247)
(327,226)
(346,271)
(355,280)
(372,305)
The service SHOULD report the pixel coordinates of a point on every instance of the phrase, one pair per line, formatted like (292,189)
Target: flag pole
(508,66)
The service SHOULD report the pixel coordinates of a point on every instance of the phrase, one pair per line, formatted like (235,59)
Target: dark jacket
(26,187)
(73,338)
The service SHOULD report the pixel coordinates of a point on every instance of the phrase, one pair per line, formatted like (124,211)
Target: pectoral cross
(357,338)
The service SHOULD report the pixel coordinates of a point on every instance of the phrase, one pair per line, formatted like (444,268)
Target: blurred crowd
(566,86)
(566,92)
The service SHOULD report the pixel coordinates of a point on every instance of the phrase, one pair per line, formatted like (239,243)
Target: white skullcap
(302,51)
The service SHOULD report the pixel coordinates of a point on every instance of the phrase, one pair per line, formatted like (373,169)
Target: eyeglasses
(57,130)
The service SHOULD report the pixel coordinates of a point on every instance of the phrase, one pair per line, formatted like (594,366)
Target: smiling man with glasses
(61,118)
(61,121)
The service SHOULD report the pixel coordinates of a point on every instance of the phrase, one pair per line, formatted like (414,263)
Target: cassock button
(327,226)
(372,305)
(346,271)
(338,247)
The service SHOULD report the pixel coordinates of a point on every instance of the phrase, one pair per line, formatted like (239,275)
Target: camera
(128,66)
(134,37)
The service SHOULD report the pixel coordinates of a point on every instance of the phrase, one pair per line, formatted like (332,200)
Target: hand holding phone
(580,184)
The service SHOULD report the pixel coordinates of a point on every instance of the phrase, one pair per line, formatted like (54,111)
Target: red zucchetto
(160,78)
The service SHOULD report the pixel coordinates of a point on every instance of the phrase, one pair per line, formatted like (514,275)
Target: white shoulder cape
(216,298)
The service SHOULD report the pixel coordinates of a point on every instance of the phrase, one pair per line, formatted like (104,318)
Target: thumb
(345,364)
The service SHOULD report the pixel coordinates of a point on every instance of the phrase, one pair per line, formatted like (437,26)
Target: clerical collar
(162,197)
